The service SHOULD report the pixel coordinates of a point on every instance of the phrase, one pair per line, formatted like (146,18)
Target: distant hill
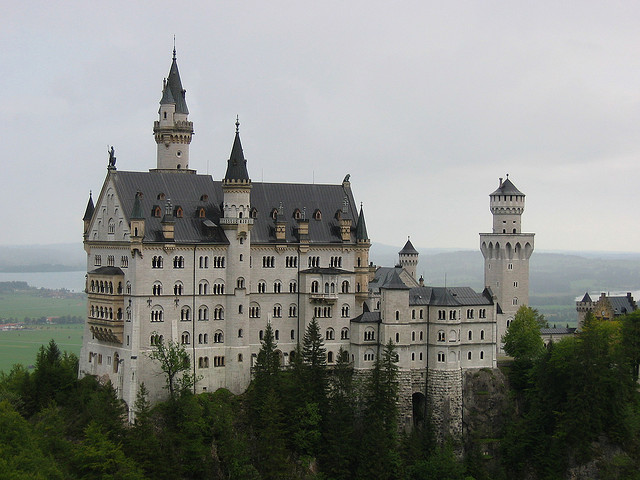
(42,258)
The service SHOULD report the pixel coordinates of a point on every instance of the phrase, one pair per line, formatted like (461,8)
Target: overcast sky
(425,104)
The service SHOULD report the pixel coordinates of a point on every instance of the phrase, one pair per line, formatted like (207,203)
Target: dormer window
(179,212)
(161,196)
(204,197)
(201,212)
(296,214)
(339,215)
(157,211)
(253,213)
(274,213)
(317,215)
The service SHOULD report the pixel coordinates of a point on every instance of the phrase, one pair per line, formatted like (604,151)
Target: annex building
(176,255)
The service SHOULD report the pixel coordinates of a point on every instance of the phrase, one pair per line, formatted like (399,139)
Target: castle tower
(583,307)
(88,214)
(172,130)
(237,223)
(506,254)
(408,258)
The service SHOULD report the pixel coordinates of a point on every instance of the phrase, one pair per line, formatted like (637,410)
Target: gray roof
(192,192)
(507,188)
(622,305)
(367,317)
(448,296)
(557,331)
(325,271)
(381,276)
(88,213)
(136,212)
(361,227)
(586,298)
(175,85)
(237,165)
(107,271)
(408,249)
(393,282)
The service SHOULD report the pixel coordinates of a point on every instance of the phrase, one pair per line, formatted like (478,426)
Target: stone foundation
(444,401)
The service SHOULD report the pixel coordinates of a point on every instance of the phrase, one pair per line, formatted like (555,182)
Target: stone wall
(444,401)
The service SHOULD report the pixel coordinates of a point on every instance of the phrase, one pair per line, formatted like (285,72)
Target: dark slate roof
(622,305)
(408,249)
(393,282)
(507,188)
(367,317)
(192,192)
(325,271)
(175,85)
(237,165)
(586,298)
(447,296)
(88,213)
(382,276)
(557,331)
(107,271)
(167,97)
(361,227)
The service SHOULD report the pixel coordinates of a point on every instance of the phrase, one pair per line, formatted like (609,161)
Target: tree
(524,343)
(314,357)
(176,365)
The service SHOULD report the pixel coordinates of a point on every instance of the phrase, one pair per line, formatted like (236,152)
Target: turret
(408,258)
(168,222)
(507,205)
(136,219)
(362,260)
(173,131)
(281,224)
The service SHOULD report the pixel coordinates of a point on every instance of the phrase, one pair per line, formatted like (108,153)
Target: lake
(73,281)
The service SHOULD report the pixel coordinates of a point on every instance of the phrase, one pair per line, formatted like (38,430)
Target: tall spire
(361,227)
(237,165)
(175,85)
(136,211)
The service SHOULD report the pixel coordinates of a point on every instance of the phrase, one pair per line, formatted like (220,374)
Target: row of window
(452,356)
(104,313)
(453,314)
(103,286)
(111,261)
(218,361)
(453,336)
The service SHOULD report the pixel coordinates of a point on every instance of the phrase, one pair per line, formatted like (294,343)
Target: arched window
(293,310)
(157,315)
(277,311)
(369,355)
(240,333)
(397,338)
(329,357)
(441,336)
(315,286)
(203,313)
(345,286)
(481,334)
(344,333)
(185,339)
(369,334)
(240,282)
(185,314)
(345,311)
(397,315)
(262,286)
(157,288)
(254,310)
(330,334)
(293,287)
(218,337)
(203,287)
(177,288)
(277,286)
(218,313)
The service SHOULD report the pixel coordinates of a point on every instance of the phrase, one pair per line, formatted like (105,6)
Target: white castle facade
(174,255)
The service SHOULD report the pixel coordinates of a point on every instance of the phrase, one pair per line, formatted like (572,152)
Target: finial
(360,205)
(90,193)
(174,47)
(237,124)
(507,175)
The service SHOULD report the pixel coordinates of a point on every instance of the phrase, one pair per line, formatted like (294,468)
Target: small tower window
(161,196)
(317,215)
(157,211)
(201,212)
(204,198)
(179,212)
(296,214)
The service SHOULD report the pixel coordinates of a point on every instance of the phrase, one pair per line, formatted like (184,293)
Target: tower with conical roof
(363,243)
(506,253)
(88,214)
(408,258)
(173,130)
(237,223)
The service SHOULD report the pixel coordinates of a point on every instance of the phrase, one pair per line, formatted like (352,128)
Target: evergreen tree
(314,357)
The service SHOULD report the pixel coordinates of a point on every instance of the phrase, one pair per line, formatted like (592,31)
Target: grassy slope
(22,304)
(21,346)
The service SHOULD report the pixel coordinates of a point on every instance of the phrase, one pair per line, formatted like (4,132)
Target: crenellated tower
(173,130)
(408,258)
(506,254)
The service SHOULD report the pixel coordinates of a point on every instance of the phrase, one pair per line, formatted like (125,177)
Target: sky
(425,104)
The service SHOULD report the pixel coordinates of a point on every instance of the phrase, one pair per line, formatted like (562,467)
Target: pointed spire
(136,212)
(88,213)
(167,96)
(361,227)
(237,165)
(174,84)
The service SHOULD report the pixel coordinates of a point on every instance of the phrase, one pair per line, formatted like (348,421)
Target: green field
(27,304)
(21,346)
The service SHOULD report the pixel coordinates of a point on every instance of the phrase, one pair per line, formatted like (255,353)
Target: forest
(573,403)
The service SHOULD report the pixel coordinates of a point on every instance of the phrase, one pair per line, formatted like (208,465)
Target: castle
(174,255)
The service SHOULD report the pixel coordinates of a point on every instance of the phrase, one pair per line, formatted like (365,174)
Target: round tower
(408,258)
(506,252)
(173,130)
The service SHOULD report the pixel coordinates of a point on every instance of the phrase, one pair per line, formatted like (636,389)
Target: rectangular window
(97,260)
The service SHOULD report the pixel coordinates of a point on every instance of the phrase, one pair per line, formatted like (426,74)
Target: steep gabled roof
(393,282)
(447,296)
(586,298)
